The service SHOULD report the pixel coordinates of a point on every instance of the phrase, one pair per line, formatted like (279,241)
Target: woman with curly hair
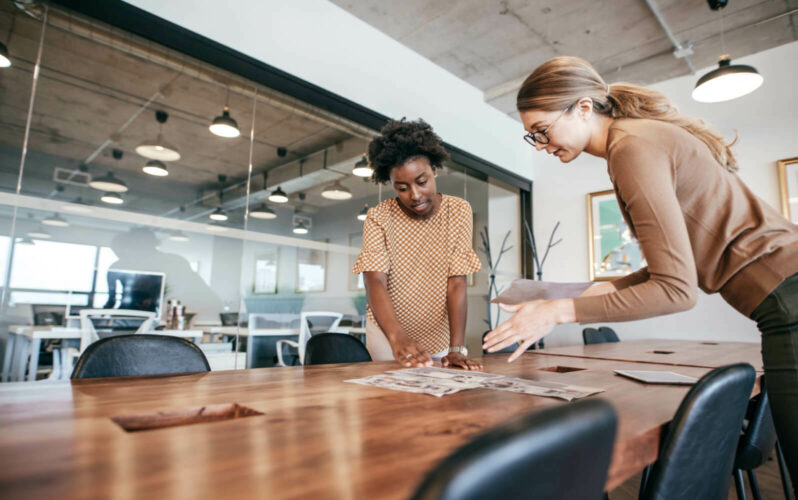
(416,253)
(697,223)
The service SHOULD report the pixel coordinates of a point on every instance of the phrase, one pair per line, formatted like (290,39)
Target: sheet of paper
(442,381)
(525,290)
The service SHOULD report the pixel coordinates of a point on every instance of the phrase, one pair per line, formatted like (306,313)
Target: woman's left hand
(531,322)
(457,359)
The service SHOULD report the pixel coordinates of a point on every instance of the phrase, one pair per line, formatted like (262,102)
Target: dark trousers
(777,320)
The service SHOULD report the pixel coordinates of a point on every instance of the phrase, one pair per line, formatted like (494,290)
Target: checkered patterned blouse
(418,257)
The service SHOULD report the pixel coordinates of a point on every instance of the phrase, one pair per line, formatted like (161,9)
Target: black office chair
(560,452)
(755,446)
(599,335)
(697,451)
(328,348)
(143,354)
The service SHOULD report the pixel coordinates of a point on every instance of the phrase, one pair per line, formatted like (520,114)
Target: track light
(55,220)
(363,213)
(362,168)
(112,198)
(336,191)
(5,60)
(263,212)
(156,168)
(108,183)
(278,196)
(158,149)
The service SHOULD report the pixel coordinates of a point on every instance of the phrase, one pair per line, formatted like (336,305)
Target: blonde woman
(698,225)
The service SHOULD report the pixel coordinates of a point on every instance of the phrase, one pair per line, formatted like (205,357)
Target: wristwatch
(460,349)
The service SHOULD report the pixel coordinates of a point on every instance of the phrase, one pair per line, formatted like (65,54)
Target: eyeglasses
(542,136)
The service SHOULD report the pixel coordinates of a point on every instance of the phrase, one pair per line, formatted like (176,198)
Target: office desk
(666,352)
(318,437)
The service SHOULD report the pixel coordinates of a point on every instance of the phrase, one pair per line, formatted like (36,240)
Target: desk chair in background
(601,335)
(559,452)
(130,355)
(306,331)
(329,348)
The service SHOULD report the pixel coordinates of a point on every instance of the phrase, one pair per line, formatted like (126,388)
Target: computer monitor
(128,289)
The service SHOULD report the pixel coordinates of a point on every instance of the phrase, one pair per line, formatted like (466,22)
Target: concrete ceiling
(495,44)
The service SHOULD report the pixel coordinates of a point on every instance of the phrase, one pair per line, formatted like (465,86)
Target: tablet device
(655,377)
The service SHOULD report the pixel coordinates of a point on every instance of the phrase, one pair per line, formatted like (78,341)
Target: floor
(768,477)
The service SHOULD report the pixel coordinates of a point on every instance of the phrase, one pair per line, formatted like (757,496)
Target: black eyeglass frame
(531,138)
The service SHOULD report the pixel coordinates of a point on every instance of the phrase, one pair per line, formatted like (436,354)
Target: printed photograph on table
(612,250)
(788,187)
(311,269)
(266,272)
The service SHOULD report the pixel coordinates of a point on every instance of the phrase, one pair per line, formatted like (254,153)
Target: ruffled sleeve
(374,254)
(463,259)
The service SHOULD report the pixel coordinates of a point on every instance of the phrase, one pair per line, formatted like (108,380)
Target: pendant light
(5,60)
(39,233)
(25,241)
(224,125)
(55,220)
(336,191)
(363,213)
(278,196)
(156,168)
(219,215)
(362,168)
(178,236)
(108,183)
(263,212)
(728,81)
(112,198)
(158,149)
(300,228)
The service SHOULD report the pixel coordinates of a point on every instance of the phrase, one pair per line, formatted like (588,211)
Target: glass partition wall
(134,176)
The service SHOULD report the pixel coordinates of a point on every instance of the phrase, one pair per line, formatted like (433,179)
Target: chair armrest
(279,346)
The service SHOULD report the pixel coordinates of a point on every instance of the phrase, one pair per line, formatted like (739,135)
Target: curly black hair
(401,141)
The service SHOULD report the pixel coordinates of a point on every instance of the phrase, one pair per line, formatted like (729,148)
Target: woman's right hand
(409,353)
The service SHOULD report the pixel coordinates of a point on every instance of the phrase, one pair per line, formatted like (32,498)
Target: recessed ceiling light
(336,191)
(263,212)
(156,168)
(278,196)
(112,198)
(224,125)
(55,220)
(108,183)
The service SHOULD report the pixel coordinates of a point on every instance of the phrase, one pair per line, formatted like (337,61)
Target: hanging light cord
(722,37)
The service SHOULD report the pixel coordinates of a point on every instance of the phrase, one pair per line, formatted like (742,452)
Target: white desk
(24,342)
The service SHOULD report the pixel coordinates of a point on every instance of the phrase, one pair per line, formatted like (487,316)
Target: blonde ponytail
(561,81)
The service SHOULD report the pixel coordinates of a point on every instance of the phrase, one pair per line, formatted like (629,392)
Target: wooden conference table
(316,436)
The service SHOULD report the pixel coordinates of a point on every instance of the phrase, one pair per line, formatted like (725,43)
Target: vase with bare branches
(492,267)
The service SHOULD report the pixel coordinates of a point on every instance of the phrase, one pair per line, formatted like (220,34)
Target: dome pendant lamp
(158,149)
(224,125)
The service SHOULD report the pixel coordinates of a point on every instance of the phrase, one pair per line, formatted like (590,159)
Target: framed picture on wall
(612,250)
(266,271)
(311,269)
(788,186)
(355,244)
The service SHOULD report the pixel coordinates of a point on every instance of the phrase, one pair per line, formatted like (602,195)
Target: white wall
(319,42)
(767,122)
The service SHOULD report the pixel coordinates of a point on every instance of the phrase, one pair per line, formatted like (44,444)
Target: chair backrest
(328,348)
(560,452)
(88,334)
(129,355)
(305,332)
(697,450)
(759,437)
(257,321)
(600,335)
(229,318)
